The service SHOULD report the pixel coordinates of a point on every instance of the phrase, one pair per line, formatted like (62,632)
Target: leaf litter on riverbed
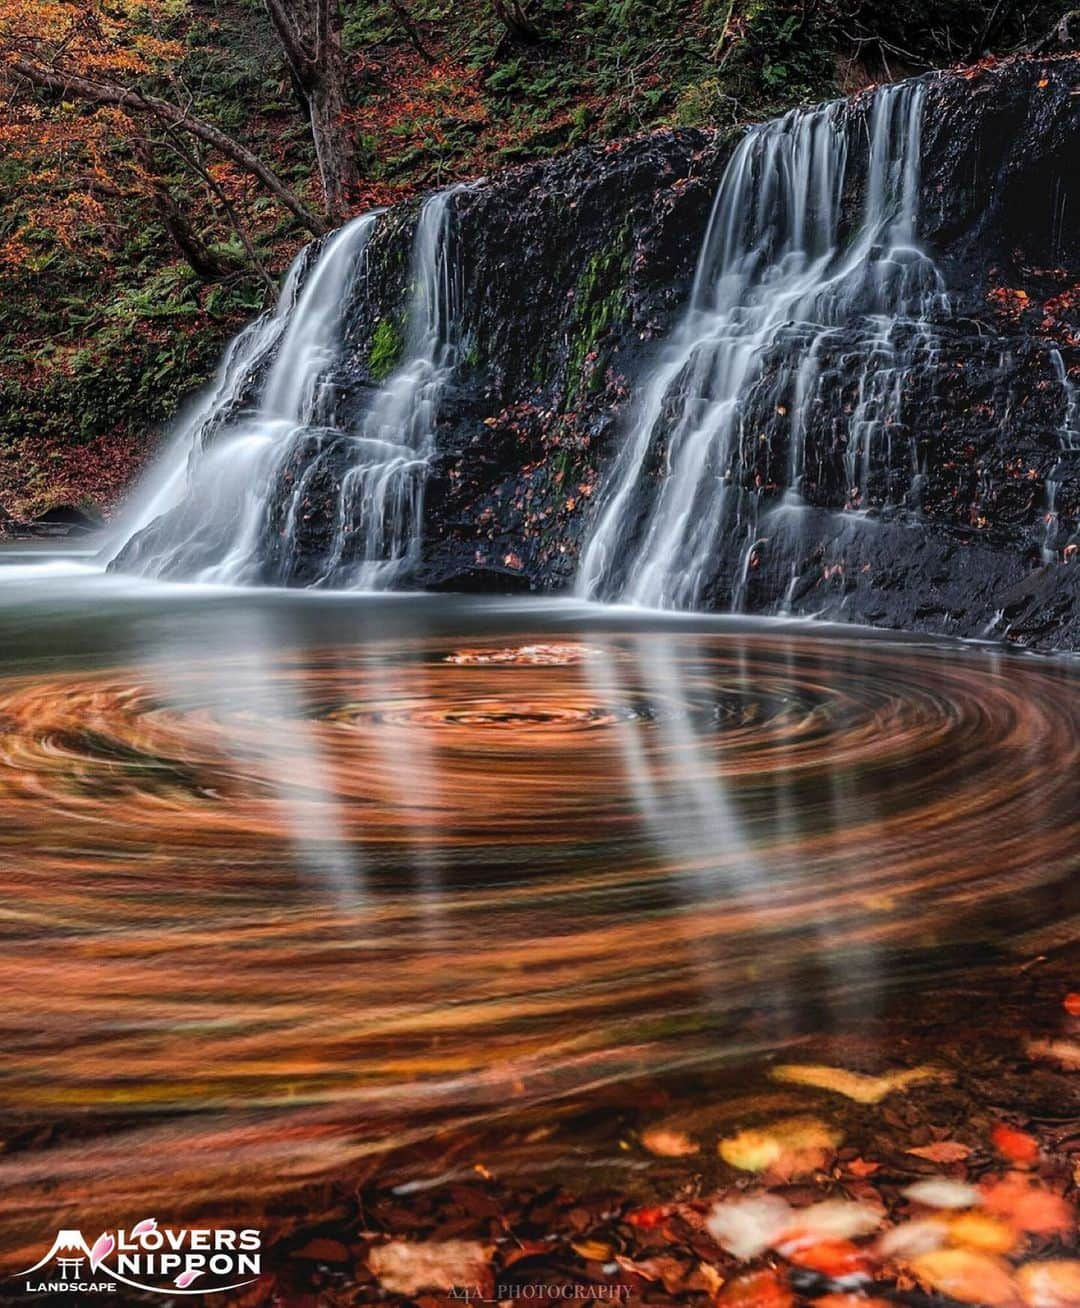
(678,1224)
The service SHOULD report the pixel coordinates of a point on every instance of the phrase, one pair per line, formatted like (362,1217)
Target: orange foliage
(79,157)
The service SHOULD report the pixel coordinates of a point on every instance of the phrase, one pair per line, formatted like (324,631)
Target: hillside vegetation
(161,161)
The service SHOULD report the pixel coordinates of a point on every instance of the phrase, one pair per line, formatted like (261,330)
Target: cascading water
(231,500)
(784,303)
(382,493)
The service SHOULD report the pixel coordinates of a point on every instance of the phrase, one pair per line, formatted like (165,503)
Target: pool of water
(295,880)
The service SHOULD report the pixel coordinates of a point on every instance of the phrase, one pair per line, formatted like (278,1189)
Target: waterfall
(784,301)
(380,506)
(229,502)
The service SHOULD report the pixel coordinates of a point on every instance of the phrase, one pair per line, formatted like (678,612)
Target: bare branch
(137,102)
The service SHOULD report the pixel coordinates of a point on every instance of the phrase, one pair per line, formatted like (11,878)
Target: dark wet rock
(59,521)
(574,269)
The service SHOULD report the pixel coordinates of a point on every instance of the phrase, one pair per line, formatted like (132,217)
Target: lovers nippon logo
(159,1259)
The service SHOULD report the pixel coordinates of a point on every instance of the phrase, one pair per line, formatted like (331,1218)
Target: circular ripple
(341,886)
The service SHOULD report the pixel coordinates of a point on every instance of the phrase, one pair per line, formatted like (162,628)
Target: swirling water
(291,880)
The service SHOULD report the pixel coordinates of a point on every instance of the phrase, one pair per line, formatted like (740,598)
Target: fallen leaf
(1051,1284)
(1071,1003)
(837,1259)
(965,1275)
(1028,1207)
(861,1168)
(749,1225)
(592,1250)
(765,1289)
(832,1219)
(849,1301)
(668,1143)
(859,1086)
(978,1231)
(1016,1146)
(942,1151)
(911,1239)
(405,1268)
(705,1277)
(940,1192)
(1065,1052)
(788,1148)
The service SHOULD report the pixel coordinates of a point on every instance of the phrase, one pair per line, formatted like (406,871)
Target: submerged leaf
(788,1148)
(665,1142)
(940,1192)
(1016,1146)
(978,1231)
(942,1151)
(404,1267)
(968,1276)
(1051,1284)
(748,1226)
(864,1089)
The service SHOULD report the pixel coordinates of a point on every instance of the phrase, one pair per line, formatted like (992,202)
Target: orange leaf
(666,1142)
(1028,1207)
(1016,1146)
(835,1258)
(1052,1284)
(942,1151)
(967,1276)
(1072,1003)
(849,1301)
(765,1289)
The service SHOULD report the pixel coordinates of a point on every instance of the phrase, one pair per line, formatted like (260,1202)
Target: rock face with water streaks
(945,500)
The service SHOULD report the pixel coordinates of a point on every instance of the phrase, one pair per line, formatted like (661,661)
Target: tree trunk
(309,32)
(203,261)
(512,14)
(135,102)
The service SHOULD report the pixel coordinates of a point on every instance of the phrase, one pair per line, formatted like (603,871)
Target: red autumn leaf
(647,1218)
(1016,1146)
(1072,1003)
(835,1258)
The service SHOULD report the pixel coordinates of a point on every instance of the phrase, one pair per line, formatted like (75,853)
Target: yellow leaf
(977,1231)
(859,1086)
(968,1276)
(789,1148)
(668,1143)
(594,1251)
